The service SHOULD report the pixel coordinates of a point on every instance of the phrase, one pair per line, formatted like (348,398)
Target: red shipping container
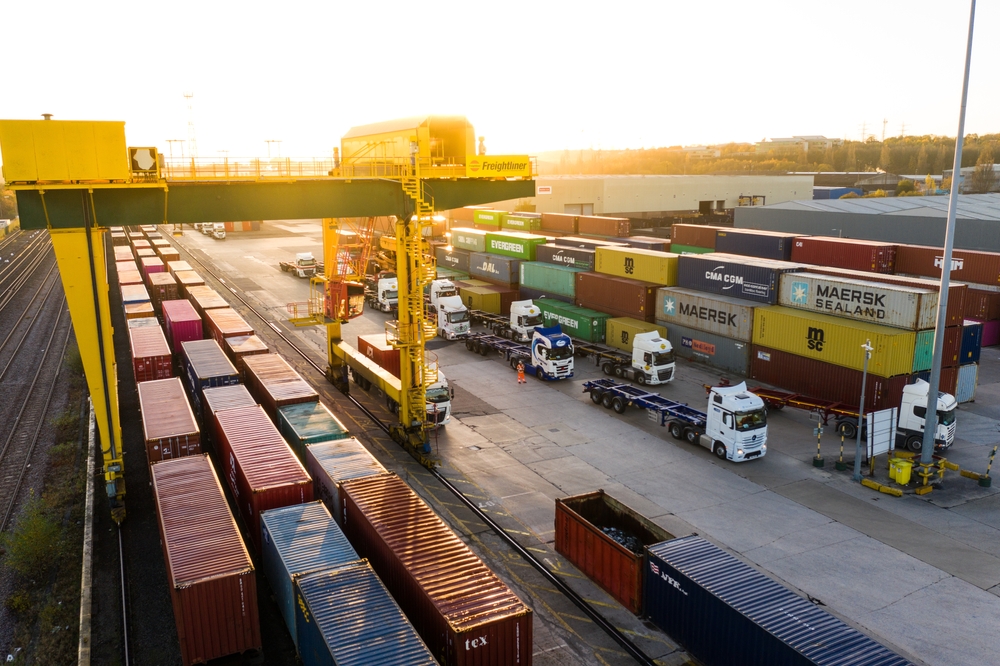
(381,352)
(212,582)
(168,423)
(260,468)
(621,297)
(149,265)
(225,323)
(982,305)
(182,323)
(696,235)
(618,227)
(144,253)
(168,254)
(187,279)
(969,266)
(243,345)
(560,222)
(177,266)
(860,255)
(129,277)
(141,243)
(465,614)
(274,383)
(162,287)
(150,354)
(204,299)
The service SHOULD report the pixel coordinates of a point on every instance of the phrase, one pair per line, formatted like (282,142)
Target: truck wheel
(606,400)
(640,379)
(619,371)
(596,395)
(608,369)
(914,443)
(676,430)
(619,404)
(691,435)
(541,374)
(513,363)
(469,344)
(484,350)
(720,450)
(847,429)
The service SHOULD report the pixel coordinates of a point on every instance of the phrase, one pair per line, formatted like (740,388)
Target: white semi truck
(446,305)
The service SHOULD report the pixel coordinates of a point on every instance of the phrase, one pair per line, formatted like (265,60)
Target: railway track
(20,269)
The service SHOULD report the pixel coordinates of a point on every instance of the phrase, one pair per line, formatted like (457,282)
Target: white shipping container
(722,315)
(892,305)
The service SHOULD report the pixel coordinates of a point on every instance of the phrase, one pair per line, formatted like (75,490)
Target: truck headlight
(739,452)
(763,448)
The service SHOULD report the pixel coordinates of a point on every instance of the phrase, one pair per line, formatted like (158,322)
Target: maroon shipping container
(145,252)
(618,227)
(150,354)
(182,323)
(204,299)
(162,287)
(381,352)
(621,297)
(243,345)
(465,614)
(187,279)
(507,296)
(560,222)
(274,383)
(968,265)
(260,468)
(149,265)
(697,235)
(129,277)
(168,424)
(212,582)
(860,255)
(141,243)
(824,381)
(982,305)
(168,254)
(225,323)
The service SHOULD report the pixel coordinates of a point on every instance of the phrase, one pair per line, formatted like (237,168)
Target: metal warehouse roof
(970,206)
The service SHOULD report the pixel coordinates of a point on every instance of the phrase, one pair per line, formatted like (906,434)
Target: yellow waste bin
(894,467)
(903,470)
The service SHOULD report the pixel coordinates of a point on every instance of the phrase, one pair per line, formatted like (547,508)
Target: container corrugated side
(575,321)
(853,253)
(181,322)
(733,275)
(660,268)
(480,298)
(529,294)
(513,244)
(560,280)
(725,612)
(972,342)
(585,243)
(982,304)
(274,383)
(383,354)
(150,354)
(508,294)
(333,462)
(308,423)
(168,424)
(923,349)
(225,323)
(574,257)
(967,265)
(560,222)
(239,346)
(162,287)
(206,365)
(470,240)
(299,540)
(620,331)
(454,258)
(619,297)
(965,389)
(698,235)
(346,615)
(218,398)
(604,226)
(464,613)
(212,583)
(722,315)
(713,350)
(494,268)
(752,243)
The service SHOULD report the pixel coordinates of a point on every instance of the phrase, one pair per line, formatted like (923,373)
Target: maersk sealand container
(731,275)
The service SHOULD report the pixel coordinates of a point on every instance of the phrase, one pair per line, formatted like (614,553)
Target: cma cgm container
(212,583)
(181,322)
(385,356)
(752,243)
(835,340)
(150,354)
(725,612)
(923,349)
(824,381)
(464,613)
(620,331)
(299,540)
(308,423)
(334,462)
(522,221)
(581,521)
(619,297)
(490,218)
(452,258)
(573,257)
(206,366)
(697,235)
(260,469)
(494,268)
(225,323)
(972,342)
(186,280)
(162,287)
(241,346)
(604,226)
(649,265)
(708,348)
(585,243)
(967,265)
(345,615)
(275,384)
(722,315)
(513,244)
(168,425)
(470,240)
(982,304)
(860,255)
(560,222)
(558,280)
(580,323)
(732,275)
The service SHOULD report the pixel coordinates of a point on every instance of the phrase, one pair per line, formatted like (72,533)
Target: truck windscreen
(560,353)
(458,317)
(751,420)
(535,320)
(438,395)
(663,358)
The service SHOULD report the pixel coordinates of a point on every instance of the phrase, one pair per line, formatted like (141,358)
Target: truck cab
(439,396)
(525,316)
(453,320)
(736,424)
(304,265)
(912,413)
(551,353)
(382,291)
(653,359)
(218,230)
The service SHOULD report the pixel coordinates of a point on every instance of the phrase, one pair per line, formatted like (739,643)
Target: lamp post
(867,347)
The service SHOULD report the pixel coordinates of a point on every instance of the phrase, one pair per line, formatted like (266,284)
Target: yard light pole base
(841,466)
(818,462)
(985,482)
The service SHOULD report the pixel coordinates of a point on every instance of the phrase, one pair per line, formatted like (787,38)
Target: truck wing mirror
(453,393)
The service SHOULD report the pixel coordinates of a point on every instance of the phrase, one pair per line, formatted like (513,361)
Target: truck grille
(436,417)
(664,375)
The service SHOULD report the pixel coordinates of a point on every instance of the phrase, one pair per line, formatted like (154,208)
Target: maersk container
(181,322)
(620,331)
(861,255)
(713,350)
(581,521)
(206,365)
(678,248)
(225,323)
(522,221)
(660,268)
(725,612)
(168,425)
(560,222)
(299,540)
(513,244)
(529,294)
(584,243)
(874,302)
(951,352)
(308,423)
(965,389)
(333,462)
(241,346)
(490,218)
(967,265)
(454,258)
(347,616)
(835,340)
(150,354)
(732,275)
(578,322)
(574,257)
(722,315)
(972,342)
(275,384)
(470,240)
(775,245)
(494,268)
(604,226)
(697,235)
(558,280)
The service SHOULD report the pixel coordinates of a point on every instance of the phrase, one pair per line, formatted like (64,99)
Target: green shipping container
(620,331)
(516,222)
(473,240)
(581,323)
(480,298)
(689,249)
(514,244)
(558,280)
(450,274)
(490,217)
(309,423)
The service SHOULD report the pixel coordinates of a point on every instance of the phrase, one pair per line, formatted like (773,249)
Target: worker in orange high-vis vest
(520,373)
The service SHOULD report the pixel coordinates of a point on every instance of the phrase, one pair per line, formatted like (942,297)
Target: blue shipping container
(346,616)
(494,268)
(826,192)
(724,612)
(752,243)
(206,366)
(730,275)
(455,259)
(972,342)
(333,462)
(529,294)
(297,540)
(308,423)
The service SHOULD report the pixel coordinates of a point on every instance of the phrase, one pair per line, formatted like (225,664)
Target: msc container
(142,322)
(558,280)
(861,255)
(638,264)
(696,235)
(206,366)
(138,310)
(261,471)
(454,258)
(574,257)
(175,267)
(584,243)
(212,583)
(725,612)
(965,389)
(181,322)
(951,352)
(385,356)
(582,526)
(874,302)
(346,616)
(529,294)
(824,381)
(240,346)
(722,315)
(308,423)
(709,348)
(619,332)
(150,265)
(129,277)
(333,462)
(464,613)
(150,354)
(752,243)
(488,217)
(967,265)
(619,297)
(225,323)
(162,287)
(835,340)
(203,299)
(604,226)
(560,222)
(275,384)
(581,323)
(972,342)
(731,275)
(494,268)
(522,221)
(470,240)
(134,293)
(168,425)
(299,540)
(513,244)
(982,304)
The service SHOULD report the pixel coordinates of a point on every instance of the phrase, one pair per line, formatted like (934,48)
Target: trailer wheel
(640,379)
(606,400)
(676,430)
(691,435)
(513,362)
(596,395)
(619,404)
(914,443)
(608,368)
(469,344)
(484,350)
(720,450)
(619,371)
(847,429)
